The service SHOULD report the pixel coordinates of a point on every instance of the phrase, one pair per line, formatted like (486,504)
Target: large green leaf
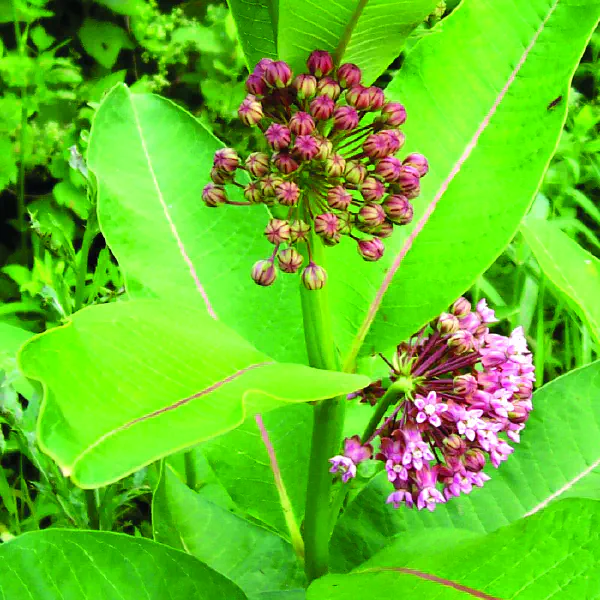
(58,564)
(254,558)
(256,22)
(573,270)
(11,339)
(553,554)
(130,382)
(476,91)
(369,33)
(152,160)
(558,457)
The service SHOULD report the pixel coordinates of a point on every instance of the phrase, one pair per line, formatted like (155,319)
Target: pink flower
(430,409)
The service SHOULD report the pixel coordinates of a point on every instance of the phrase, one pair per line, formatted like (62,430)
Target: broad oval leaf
(59,564)
(130,382)
(558,457)
(481,117)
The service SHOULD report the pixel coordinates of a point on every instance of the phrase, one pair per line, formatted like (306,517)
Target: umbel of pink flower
(468,394)
(328,167)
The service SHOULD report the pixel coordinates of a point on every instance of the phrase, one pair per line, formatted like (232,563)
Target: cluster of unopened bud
(328,167)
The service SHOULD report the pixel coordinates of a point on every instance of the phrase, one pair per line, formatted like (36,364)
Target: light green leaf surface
(569,267)
(253,557)
(130,382)
(11,339)
(103,41)
(558,457)
(371,32)
(60,564)
(256,22)
(554,554)
(476,91)
(152,160)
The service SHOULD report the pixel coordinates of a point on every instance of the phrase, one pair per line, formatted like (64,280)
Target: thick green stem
(328,421)
(189,460)
(89,234)
(92,509)
(397,390)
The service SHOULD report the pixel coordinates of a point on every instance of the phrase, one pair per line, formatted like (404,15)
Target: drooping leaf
(130,382)
(480,117)
(11,339)
(551,554)
(568,266)
(103,41)
(58,564)
(558,457)
(255,558)
(152,160)
(369,33)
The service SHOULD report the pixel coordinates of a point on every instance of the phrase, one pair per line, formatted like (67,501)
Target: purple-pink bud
(519,413)
(250,111)
(371,214)
(326,225)
(284,162)
(299,231)
(393,113)
(305,85)
(358,96)
(385,230)
(371,250)
(372,189)
(258,164)
(320,63)
(256,85)
(287,193)
(462,307)
(322,108)
(418,161)
(447,323)
(314,277)
(325,148)
(462,341)
(377,145)
(339,198)
(278,74)
(301,123)
(465,384)
(398,209)
(268,184)
(277,231)
(289,260)
(395,138)
(220,177)
(263,272)
(389,168)
(253,193)
(278,136)
(355,172)
(345,223)
(226,159)
(329,87)
(376,97)
(306,146)
(213,195)
(261,65)
(349,75)
(454,445)
(408,179)
(345,118)
(474,459)
(335,165)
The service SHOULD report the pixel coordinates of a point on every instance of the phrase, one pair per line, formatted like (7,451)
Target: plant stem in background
(190,469)
(328,421)
(89,234)
(92,509)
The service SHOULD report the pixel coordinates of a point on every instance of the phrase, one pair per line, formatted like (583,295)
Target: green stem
(92,509)
(397,390)
(189,460)
(328,421)
(89,234)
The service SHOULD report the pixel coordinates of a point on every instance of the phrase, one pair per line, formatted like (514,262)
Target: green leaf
(72,197)
(103,41)
(11,339)
(152,160)
(480,116)
(256,22)
(130,382)
(254,558)
(41,38)
(60,564)
(558,457)
(369,33)
(552,554)
(568,266)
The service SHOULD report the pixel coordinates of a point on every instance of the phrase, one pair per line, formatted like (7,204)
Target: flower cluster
(328,167)
(468,393)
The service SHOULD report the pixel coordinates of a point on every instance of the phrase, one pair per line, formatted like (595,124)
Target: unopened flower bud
(329,87)
(462,307)
(321,108)
(355,172)
(358,96)
(372,189)
(301,123)
(277,231)
(306,146)
(344,223)
(465,384)
(325,149)
(326,225)
(447,323)
(289,260)
(299,231)
(371,250)
(261,65)
(314,277)
(371,214)
(250,111)
(519,413)
(263,272)
(278,74)
(287,193)
(253,193)
(345,118)
(474,459)
(258,164)
(385,230)
(349,75)
(278,136)
(418,161)
(268,184)
(226,159)
(214,195)
(256,85)
(395,138)
(398,209)
(462,341)
(306,86)
(335,165)
(454,445)
(377,145)
(376,97)
(408,179)
(393,113)
(220,177)
(284,162)
(389,168)
(320,63)
(339,198)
